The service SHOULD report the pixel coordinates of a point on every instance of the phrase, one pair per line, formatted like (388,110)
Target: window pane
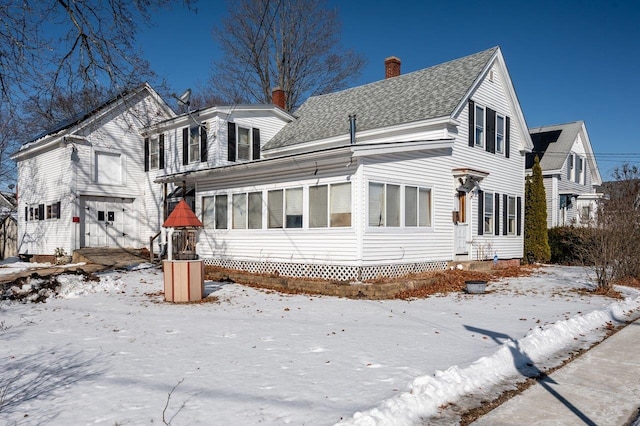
(512,216)
(499,132)
(410,206)
(479,120)
(255,210)
(194,144)
(393,205)
(274,207)
(208,212)
(488,212)
(221,212)
(424,206)
(244,146)
(154,153)
(376,204)
(294,208)
(239,211)
(341,205)
(318,206)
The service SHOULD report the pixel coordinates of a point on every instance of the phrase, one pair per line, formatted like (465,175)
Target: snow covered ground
(111,352)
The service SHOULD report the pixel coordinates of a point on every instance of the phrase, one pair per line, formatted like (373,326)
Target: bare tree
(8,145)
(50,46)
(289,44)
(612,246)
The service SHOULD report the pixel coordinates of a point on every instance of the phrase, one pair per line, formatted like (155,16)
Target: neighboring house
(397,176)
(83,183)
(8,225)
(569,170)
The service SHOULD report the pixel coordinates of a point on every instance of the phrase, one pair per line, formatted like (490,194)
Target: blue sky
(569,60)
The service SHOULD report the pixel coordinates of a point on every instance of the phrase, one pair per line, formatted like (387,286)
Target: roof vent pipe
(352,128)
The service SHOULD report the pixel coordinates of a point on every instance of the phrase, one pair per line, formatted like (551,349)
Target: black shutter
(472,124)
(480,212)
(519,215)
(146,154)
(203,143)
(26,213)
(161,151)
(185,146)
(496,214)
(491,131)
(256,144)
(58,210)
(507,136)
(231,141)
(40,211)
(505,214)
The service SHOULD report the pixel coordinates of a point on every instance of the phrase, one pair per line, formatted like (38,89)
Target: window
(154,153)
(479,120)
(244,145)
(194,144)
(376,204)
(208,212)
(274,208)
(499,134)
(221,212)
(293,208)
(340,205)
(488,213)
(393,205)
(318,206)
(570,167)
(424,207)
(108,168)
(255,210)
(579,169)
(511,215)
(417,206)
(239,215)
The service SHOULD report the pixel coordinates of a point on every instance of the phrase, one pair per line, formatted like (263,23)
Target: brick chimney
(277,97)
(391,67)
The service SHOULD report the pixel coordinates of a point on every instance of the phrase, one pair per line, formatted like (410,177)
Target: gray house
(569,170)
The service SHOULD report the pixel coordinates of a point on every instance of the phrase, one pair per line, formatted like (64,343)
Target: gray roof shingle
(420,95)
(552,144)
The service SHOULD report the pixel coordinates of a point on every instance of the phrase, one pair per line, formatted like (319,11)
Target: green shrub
(568,245)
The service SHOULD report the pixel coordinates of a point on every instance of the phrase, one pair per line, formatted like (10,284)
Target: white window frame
(194,144)
(154,153)
(500,133)
(570,166)
(482,128)
(249,144)
(488,214)
(511,215)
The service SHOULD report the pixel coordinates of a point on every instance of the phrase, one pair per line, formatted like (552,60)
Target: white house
(400,175)
(570,172)
(83,184)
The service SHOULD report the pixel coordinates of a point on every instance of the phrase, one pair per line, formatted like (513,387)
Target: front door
(461,225)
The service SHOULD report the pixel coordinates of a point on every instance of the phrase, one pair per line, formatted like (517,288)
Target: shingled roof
(421,95)
(552,144)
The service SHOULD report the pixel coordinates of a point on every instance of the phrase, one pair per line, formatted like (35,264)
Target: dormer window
(243,143)
(194,144)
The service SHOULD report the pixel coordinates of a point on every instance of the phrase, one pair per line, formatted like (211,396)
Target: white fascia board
(364,150)
(367,135)
(201,115)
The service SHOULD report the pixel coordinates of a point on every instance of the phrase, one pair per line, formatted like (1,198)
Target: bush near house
(568,245)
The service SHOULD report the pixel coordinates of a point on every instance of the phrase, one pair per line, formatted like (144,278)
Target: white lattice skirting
(328,272)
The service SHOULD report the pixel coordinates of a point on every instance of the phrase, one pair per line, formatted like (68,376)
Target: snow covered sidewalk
(111,351)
